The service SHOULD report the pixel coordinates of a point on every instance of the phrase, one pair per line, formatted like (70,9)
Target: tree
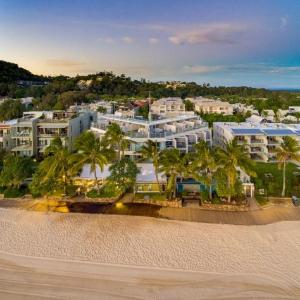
(115,138)
(205,162)
(57,168)
(123,174)
(170,164)
(90,151)
(297,115)
(231,158)
(189,106)
(15,170)
(11,109)
(102,110)
(288,150)
(150,151)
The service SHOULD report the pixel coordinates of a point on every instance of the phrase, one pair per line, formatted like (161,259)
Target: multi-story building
(168,107)
(180,132)
(5,134)
(261,139)
(34,132)
(211,106)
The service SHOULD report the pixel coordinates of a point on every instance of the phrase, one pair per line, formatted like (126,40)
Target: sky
(221,42)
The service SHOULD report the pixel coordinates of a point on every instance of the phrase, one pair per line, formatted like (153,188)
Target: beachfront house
(145,181)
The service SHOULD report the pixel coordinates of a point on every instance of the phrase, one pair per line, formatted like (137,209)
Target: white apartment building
(32,133)
(181,132)
(261,139)
(211,106)
(168,107)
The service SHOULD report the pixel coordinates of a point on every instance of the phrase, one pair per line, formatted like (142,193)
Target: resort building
(261,139)
(167,108)
(211,106)
(32,133)
(181,132)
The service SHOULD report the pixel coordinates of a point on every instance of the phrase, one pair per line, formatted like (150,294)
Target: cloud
(106,40)
(198,69)
(153,41)
(240,68)
(63,63)
(127,39)
(220,33)
(283,21)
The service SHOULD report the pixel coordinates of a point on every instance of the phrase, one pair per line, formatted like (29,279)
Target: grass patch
(104,193)
(273,185)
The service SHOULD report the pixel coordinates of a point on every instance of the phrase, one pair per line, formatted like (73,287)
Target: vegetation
(150,151)
(15,170)
(90,151)
(11,109)
(288,151)
(170,164)
(231,158)
(115,139)
(269,178)
(123,174)
(214,117)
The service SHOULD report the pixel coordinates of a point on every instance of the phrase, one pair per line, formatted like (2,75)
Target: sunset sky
(223,42)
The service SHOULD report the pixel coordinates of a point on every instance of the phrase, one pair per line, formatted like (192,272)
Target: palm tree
(57,163)
(170,164)
(115,138)
(90,151)
(150,151)
(288,150)
(205,162)
(231,158)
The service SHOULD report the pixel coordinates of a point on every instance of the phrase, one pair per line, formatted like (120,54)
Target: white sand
(256,260)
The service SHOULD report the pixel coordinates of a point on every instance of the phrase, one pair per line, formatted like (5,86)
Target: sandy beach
(52,255)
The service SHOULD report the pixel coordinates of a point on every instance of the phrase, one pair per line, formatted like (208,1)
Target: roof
(246,131)
(278,131)
(146,175)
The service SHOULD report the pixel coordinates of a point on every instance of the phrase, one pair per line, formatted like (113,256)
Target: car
(296,201)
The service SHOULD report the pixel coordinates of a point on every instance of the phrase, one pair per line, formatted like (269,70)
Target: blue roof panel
(278,131)
(246,131)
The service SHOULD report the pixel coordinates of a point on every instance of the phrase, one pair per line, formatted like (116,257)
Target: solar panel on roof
(278,131)
(246,131)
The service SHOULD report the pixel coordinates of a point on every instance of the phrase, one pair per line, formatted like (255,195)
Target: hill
(11,73)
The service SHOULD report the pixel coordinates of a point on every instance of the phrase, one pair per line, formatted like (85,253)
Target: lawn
(273,183)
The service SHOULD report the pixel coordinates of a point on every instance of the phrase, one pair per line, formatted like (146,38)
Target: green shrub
(14,193)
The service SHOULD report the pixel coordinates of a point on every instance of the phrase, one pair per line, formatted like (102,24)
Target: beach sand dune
(76,256)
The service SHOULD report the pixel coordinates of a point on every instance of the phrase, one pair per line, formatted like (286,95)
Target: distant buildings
(211,106)
(168,107)
(261,139)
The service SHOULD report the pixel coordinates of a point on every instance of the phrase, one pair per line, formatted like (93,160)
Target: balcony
(23,133)
(256,141)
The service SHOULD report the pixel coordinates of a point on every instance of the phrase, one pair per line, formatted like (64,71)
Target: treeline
(63,91)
